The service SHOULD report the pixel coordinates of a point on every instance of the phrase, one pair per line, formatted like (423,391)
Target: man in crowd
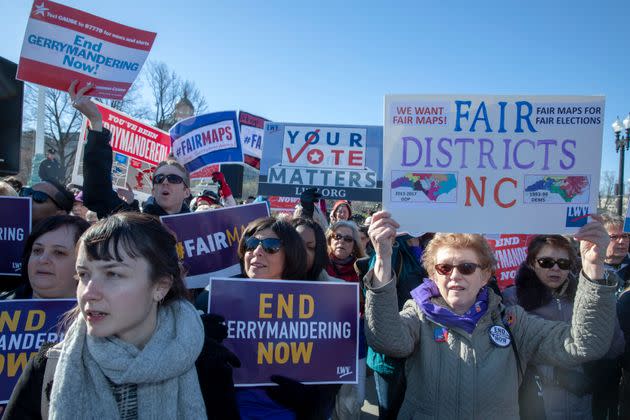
(617,258)
(171,181)
(50,168)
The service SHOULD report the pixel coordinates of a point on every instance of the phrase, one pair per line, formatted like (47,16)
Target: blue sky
(332,62)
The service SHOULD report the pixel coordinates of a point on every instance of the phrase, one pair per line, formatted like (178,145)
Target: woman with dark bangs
(315,244)
(545,285)
(134,340)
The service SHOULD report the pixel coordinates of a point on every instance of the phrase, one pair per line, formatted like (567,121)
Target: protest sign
(283,204)
(207,139)
(137,149)
(207,241)
(489,163)
(24,326)
(252,130)
(510,250)
(626,224)
(303,330)
(15,226)
(342,160)
(62,44)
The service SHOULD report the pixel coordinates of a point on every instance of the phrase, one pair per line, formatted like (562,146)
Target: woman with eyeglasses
(271,248)
(545,285)
(465,351)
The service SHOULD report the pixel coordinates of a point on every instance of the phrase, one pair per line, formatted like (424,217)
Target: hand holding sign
(594,241)
(84,105)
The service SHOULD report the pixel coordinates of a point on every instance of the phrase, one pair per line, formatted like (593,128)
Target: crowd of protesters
(441,340)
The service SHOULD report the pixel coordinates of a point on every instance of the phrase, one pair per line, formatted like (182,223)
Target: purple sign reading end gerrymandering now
(15,226)
(303,330)
(208,240)
(24,326)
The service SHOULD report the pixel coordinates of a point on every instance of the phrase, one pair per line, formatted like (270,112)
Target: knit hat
(342,203)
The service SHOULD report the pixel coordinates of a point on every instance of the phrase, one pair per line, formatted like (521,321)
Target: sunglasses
(624,237)
(464,268)
(346,238)
(547,262)
(171,178)
(37,196)
(269,245)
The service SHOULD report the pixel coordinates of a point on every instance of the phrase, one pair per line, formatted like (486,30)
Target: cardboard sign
(137,149)
(207,241)
(304,330)
(343,161)
(24,326)
(15,226)
(208,139)
(62,44)
(466,163)
(252,131)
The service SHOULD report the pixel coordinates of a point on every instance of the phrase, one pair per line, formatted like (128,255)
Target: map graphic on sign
(424,187)
(556,189)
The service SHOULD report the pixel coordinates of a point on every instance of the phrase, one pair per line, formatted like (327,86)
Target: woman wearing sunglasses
(272,249)
(545,285)
(465,351)
(344,248)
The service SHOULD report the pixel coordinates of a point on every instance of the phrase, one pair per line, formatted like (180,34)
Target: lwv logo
(344,371)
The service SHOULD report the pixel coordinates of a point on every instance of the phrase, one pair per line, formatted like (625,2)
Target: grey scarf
(164,370)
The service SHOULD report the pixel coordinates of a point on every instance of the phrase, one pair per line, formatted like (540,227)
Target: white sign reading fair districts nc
(342,161)
(492,164)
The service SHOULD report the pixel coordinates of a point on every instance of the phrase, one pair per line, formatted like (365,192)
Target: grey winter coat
(468,377)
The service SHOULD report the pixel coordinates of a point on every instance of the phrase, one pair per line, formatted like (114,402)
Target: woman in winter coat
(546,286)
(463,348)
(134,340)
(344,248)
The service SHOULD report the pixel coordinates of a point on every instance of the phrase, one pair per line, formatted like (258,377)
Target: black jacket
(98,194)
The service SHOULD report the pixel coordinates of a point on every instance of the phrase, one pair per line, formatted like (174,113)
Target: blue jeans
(390,390)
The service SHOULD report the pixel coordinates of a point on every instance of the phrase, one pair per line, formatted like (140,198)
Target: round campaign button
(499,336)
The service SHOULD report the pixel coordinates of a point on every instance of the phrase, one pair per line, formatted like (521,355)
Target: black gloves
(308,198)
(308,402)
(214,326)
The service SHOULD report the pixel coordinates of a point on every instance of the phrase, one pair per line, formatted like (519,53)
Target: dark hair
(48,225)
(530,291)
(294,252)
(555,241)
(65,199)
(139,236)
(321,254)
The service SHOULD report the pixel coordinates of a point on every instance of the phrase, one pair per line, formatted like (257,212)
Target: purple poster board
(208,240)
(15,226)
(24,326)
(304,330)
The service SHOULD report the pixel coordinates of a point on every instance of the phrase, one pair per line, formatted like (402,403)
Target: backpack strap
(52,357)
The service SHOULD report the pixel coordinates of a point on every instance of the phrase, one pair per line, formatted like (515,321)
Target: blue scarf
(423,294)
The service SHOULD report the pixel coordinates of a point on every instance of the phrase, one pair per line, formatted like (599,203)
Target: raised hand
(84,105)
(594,241)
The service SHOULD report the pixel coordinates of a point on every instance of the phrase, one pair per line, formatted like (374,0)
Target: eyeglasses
(623,236)
(548,262)
(37,196)
(345,238)
(171,178)
(269,245)
(464,268)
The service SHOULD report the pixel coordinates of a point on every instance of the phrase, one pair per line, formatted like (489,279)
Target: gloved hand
(214,327)
(224,189)
(306,401)
(308,198)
